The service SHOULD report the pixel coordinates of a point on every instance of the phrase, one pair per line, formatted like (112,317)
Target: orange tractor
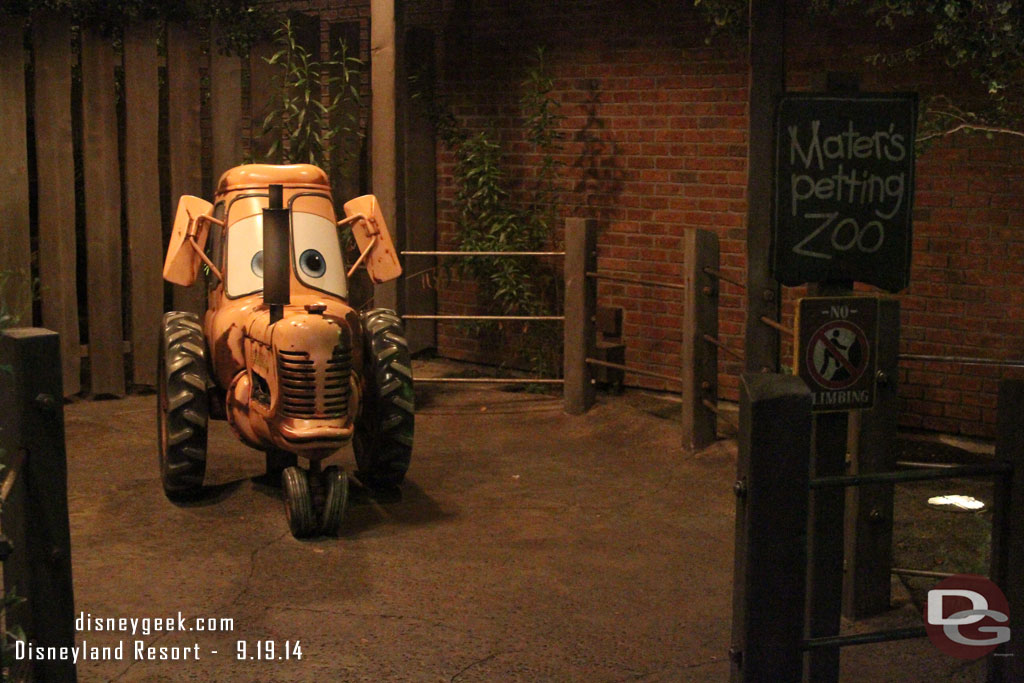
(280,353)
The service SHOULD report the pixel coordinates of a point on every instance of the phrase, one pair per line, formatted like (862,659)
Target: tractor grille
(298,384)
(299,377)
(336,386)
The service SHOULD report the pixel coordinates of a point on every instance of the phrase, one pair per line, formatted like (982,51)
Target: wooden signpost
(843,186)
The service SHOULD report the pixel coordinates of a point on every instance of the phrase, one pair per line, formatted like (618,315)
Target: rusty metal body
(293,384)
(279,352)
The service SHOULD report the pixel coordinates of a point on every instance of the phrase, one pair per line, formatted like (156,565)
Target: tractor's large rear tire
(182,404)
(383,436)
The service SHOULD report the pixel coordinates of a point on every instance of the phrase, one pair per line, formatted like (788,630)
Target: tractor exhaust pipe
(276,284)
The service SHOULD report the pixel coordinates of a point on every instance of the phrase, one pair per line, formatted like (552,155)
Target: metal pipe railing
(730,417)
(717,342)
(775,325)
(962,360)
(636,281)
(483,317)
(721,276)
(898,571)
(903,476)
(866,638)
(487,380)
(483,253)
(634,371)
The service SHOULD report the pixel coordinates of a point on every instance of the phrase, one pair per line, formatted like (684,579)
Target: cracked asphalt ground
(527,545)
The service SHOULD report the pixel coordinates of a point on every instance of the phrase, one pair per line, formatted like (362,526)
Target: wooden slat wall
(225,109)
(102,215)
(261,84)
(142,197)
(183,81)
(55,173)
(16,253)
(106,255)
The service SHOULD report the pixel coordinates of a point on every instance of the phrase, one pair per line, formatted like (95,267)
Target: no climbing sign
(835,351)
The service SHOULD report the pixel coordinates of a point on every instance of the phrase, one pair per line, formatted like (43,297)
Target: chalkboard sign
(844,188)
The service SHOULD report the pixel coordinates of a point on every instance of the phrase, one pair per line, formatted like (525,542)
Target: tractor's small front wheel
(335,500)
(382,442)
(182,404)
(298,502)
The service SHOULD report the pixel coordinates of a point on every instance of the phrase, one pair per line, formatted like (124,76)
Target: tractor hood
(298,391)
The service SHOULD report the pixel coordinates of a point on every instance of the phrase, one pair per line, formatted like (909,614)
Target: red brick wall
(655,144)
(967,289)
(656,131)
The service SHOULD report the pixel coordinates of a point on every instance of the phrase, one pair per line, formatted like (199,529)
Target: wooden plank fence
(16,254)
(226,96)
(145,245)
(102,214)
(183,121)
(99,283)
(55,181)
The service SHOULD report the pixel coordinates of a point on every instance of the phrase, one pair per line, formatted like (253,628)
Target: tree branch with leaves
(981,39)
(305,128)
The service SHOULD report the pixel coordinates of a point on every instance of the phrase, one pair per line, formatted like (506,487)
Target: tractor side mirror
(188,238)
(373,239)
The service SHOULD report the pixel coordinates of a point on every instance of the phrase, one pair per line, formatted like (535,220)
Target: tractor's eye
(257,263)
(317,253)
(312,263)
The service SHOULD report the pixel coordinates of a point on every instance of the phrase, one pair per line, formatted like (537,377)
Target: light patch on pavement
(956,502)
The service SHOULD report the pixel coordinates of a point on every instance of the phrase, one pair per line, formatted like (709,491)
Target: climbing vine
(303,127)
(493,217)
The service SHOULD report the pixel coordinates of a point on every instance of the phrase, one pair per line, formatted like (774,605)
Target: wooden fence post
(772,473)
(1008,530)
(387,146)
(35,516)
(580,309)
(767,81)
(869,509)
(700,357)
